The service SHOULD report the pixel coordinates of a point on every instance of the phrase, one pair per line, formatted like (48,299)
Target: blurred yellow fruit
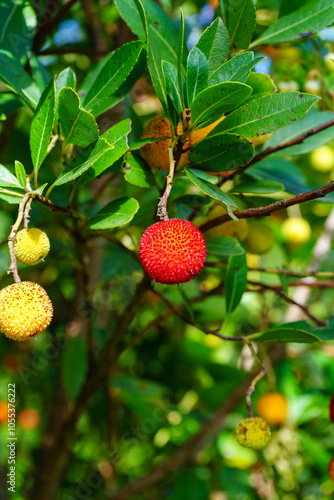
(261,139)
(260,238)
(313,86)
(232,228)
(296,230)
(253,433)
(290,86)
(329,61)
(322,159)
(273,407)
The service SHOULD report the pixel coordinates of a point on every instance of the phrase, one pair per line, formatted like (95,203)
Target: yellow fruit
(261,139)
(322,159)
(260,238)
(31,246)
(25,310)
(329,61)
(231,228)
(273,407)
(290,86)
(313,86)
(253,433)
(156,154)
(296,230)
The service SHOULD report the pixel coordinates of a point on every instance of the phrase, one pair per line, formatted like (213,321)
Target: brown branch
(58,208)
(11,237)
(270,150)
(269,209)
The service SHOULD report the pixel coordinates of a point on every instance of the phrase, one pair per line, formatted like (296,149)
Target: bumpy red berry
(172,251)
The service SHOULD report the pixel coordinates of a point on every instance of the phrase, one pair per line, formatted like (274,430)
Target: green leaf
(261,84)
(172,90)
(67,78)
(221,152)
(7,179)
(117,137)
(181,53)
(266,114)
(284,333)
(9,103)
(213,102)
(74,366)
(136,171)
(311,120)
(259,187)
(115,214)
(281,171)
(85,159)
(214,44)
(13,199)
(42,124)
(78,126)
(112,75)
(13,75)
(40,73)
(20,173)
(235,280)
(224,245)
(240,20)
(197,74)
(235,69)
(17,27)
(309,19)
(212,191)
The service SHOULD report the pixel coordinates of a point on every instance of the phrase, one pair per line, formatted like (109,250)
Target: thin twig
(13,264)
(269,209)
(26,214)
(162,213)
(251,389)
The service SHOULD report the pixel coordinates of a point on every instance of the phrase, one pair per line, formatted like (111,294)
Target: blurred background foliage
(164,388)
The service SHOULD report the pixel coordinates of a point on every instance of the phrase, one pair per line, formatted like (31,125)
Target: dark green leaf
(112,75)
(74,366)
(221,152)
(115,214)
(240,20)
(283,172)
(213,102)
(189,485)
(42,124)
(17,27)
(311,17)
(78,126)
(259,187)
(20,173)
(214,44)
(40,73)
(181,53)
(197,74)
(235,69)
(136,171)
(224,245)
(235,280)
(266,114)
(9,103)
(14,76)
(7,179)
(212,191)
(172,90)
(284,333)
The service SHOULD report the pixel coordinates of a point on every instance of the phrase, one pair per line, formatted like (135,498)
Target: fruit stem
(162,213)
(255,380)
(13,265)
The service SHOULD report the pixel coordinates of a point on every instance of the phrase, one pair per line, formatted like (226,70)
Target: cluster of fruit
(25,308)
(254,432)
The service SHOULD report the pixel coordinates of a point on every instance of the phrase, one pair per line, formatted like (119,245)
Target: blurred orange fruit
(273,407)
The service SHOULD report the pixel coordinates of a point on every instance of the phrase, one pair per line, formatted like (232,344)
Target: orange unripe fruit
(3,412)
(273,407)
(253,432)
(331,469)
(31,246)
(172,251)
(25,310)
(28,419)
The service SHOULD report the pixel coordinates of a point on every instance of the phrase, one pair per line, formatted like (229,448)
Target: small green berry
(253,433)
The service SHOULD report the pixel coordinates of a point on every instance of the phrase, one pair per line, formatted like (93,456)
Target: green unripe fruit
(31,246)
(260,238)
(253,433)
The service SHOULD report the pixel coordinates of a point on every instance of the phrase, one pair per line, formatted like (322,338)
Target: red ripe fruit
(172,251)
(331,409)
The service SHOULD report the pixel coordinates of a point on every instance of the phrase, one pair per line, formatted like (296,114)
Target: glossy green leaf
(261,84)
(214,101)
(172,91)
(311,17)
(74,366)
(9,103)
(235,69)
(197,74)
(212,191)
(78,126)
(224,245)
(7,179)
(85,159)
(285,333)
(117,137)
(181,54)
(115,214)
(240,20)
(281,171)
(136,171)
(17,27)
(112,75)
(214,44)
(221,152)
(12,199)
(266,114)
(67,78)
(20,173)
(13,75)
(42,124)
(235,280)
